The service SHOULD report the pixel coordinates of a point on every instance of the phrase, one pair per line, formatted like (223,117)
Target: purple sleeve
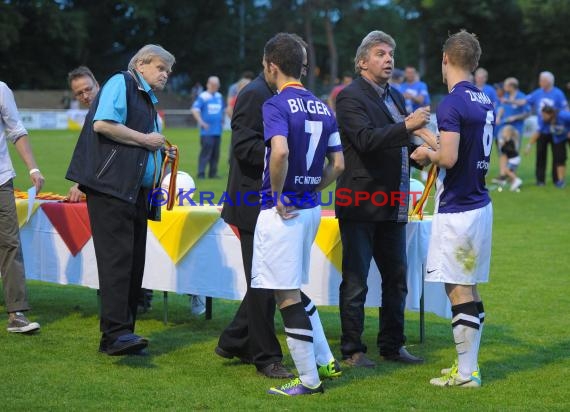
(274,123)
(448,115)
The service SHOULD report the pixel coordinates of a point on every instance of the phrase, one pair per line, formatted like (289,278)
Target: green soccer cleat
(454,379)
(295,388)
(330,370)
(453,369)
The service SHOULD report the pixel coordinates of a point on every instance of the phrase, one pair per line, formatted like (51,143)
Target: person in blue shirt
(397,79)
(509,113)
(559,128)
(480,78)
(415,91)
(208,110)
(117,163)
(546,95)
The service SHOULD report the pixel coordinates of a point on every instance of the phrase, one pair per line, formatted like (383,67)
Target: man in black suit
(251,334)
(372,199)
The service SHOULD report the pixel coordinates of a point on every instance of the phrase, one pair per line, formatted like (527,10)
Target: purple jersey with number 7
(311,131)
(468,111)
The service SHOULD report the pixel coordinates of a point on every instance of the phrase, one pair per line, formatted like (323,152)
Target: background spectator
(208,110)
(415,91)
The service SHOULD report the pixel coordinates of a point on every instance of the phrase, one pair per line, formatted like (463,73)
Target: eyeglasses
(87,90)
(305,69)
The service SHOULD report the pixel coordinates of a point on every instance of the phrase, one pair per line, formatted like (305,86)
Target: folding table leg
(165,307)
(208,308)
(422,312)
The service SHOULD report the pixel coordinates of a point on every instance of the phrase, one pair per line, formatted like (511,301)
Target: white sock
(465,324)
(481,311)
(323,354)
(299,336)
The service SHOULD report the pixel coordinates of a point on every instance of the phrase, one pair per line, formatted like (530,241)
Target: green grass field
(524,357)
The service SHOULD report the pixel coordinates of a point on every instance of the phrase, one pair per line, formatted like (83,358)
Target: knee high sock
(465,325)
(299,336)
(481,311)
(323,354)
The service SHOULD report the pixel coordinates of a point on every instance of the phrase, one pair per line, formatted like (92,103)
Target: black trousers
(541,158)
(119,236)
(209,155)
(251,333)
(386,243)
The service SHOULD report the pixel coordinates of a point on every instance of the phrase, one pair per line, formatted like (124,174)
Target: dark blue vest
(107,166)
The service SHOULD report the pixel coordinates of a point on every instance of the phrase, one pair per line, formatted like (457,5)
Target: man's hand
(427,136)
(527,149)
(38,180)
(154,141)
(74,195)
(421,155)
(285,211)
(171,152)
(418,119)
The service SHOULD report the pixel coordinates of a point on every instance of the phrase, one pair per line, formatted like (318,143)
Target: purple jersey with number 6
(311,132)
(468,111)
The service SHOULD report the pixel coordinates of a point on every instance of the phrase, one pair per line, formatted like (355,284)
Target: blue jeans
(386,243)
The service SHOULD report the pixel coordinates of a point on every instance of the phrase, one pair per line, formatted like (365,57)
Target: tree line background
(41,40)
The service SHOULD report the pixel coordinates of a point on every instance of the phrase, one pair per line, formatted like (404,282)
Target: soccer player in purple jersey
(460,245)
(300,133)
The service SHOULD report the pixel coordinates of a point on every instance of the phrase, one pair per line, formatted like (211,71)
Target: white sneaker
(20,324)
(516,184)
(455,379)
(197,305)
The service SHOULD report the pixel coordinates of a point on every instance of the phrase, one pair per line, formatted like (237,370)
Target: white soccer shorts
(460,247)
(282,249)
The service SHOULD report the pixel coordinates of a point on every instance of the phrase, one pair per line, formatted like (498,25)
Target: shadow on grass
(58,308)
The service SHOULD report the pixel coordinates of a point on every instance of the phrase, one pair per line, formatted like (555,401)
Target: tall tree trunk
(333,53)
(311,57)
(422,63)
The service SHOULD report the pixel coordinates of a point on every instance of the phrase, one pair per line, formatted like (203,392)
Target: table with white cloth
(193,251)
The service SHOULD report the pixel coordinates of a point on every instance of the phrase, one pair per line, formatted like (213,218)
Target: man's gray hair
(149,52)
(547,75)
(372,39)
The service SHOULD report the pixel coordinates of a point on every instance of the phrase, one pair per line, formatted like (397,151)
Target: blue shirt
(311,131)
(211,108)
(510,109)
(540,98)
(560,127)
(113,107)
(490,91)
(417,88)
(469,112)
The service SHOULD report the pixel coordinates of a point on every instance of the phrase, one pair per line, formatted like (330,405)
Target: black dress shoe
(403,356)
(276,371)
(230,355)
(126,345)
